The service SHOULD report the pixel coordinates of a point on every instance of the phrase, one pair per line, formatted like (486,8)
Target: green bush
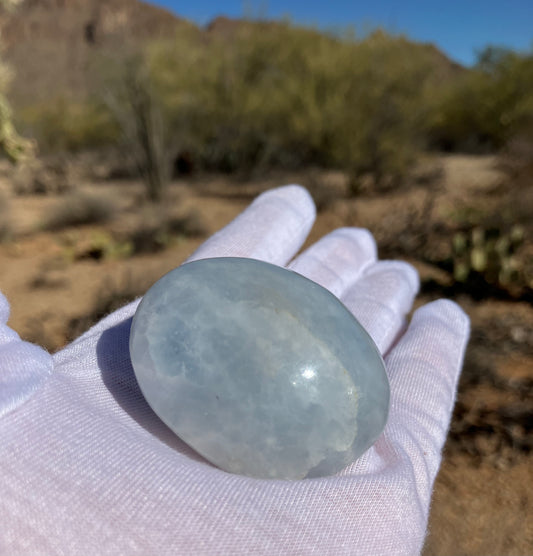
(63,124)
(379,130)
(278,95)
(488,106)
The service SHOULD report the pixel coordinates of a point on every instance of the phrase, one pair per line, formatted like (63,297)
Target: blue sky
(459,28)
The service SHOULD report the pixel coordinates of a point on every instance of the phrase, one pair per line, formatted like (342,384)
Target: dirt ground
(57,282)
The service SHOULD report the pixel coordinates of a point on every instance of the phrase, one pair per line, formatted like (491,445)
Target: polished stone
(262,371)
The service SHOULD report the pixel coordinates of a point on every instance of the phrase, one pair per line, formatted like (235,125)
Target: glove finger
(380,299)
(6,334)
(423,369)
(24,367)
(271,229)
(336,260)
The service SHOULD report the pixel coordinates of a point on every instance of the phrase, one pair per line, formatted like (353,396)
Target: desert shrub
(65,124)
(77,209)
(38,176)
(487,106)
(271,94)
(147,134)
(100,245)
(153,231)
(156,232)
(275,95)
(516,158)
(381,127)
(190,224)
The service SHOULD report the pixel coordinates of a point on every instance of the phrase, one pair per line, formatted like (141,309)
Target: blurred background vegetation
(259,96)
(280,96)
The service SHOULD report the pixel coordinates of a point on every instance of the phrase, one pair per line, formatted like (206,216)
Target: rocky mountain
(49,43)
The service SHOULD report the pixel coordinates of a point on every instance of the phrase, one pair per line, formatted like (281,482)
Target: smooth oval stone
(262,371)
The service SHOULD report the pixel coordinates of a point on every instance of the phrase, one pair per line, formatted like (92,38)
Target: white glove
(87,467)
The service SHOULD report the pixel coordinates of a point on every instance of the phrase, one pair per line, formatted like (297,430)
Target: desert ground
(60,280)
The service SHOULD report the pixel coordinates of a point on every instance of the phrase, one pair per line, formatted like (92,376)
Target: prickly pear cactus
(490,253)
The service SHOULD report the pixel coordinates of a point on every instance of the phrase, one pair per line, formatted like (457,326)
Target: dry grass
(114,294)
(157,230)
(325,190)
(78,209)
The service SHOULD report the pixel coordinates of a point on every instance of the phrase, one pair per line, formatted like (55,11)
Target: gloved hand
(88,468)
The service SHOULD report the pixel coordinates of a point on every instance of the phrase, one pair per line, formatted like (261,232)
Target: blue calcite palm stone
(260,370)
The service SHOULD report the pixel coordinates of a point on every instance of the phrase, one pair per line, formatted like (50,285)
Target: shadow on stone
(113,356)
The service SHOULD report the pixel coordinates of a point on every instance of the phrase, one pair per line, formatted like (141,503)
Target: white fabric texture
(88,468)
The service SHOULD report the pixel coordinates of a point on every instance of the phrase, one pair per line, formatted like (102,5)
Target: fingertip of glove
(4,309)
(406,271)
(25,369)
(448,312)
(295,196)
(361,237)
